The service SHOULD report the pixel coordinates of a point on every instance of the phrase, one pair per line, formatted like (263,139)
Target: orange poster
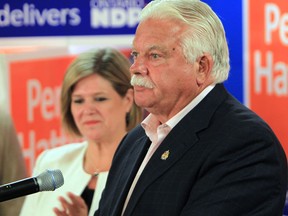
(35,90)
(267,65)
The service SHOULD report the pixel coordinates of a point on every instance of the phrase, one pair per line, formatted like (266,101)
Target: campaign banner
(266,73)
(35,87)
(68,18)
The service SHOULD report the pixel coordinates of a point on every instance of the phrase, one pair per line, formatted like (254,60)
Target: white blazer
(68,159)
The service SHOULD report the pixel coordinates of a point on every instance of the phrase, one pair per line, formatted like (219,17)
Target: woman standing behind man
(96,104)
(12,164)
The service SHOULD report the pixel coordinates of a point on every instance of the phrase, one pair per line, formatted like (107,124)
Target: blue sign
(230,13)
(69,18)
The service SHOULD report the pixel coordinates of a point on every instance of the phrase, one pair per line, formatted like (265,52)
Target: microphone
(46,181)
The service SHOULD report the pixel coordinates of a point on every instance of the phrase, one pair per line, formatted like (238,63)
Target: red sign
(267,65)
(35,91)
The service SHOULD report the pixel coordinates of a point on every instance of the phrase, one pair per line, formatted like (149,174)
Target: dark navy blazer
(223,161)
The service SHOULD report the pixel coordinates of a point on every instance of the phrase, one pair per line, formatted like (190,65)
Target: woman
(12,164)
(96,104)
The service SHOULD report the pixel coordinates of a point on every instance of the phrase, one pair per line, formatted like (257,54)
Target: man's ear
(205,63)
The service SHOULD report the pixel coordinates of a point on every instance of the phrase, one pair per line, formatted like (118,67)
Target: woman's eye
(100,99)
(78,101)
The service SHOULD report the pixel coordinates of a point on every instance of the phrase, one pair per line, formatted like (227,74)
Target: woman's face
(98,110)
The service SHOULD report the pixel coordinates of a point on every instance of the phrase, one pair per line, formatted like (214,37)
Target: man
(12,166)
(209,154)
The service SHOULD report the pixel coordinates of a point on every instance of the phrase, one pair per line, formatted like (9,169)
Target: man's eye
(154,55)
(134,54)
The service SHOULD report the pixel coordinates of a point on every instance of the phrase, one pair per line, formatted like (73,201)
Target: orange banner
(268,64)
(35,90)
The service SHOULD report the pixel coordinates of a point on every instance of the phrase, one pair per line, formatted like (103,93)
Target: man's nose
(139,66)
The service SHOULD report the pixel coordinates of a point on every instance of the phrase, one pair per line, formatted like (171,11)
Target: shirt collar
(151,123)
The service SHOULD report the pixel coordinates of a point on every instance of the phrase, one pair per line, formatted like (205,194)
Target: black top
(87,195)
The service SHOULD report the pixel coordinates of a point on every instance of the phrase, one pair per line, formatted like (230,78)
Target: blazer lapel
(182,137)
(168,153)
(126,175)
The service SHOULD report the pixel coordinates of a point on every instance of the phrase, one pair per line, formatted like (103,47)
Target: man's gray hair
(205,35)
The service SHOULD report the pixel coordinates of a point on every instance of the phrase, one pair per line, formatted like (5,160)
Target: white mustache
(138,80)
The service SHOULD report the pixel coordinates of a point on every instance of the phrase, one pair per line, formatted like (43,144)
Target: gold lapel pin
(165,155)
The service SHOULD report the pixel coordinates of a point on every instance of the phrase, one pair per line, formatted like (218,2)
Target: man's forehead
(150,47)
(162,25)
(157,37)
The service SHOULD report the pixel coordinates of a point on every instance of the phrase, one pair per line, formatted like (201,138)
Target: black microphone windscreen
(46,181)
